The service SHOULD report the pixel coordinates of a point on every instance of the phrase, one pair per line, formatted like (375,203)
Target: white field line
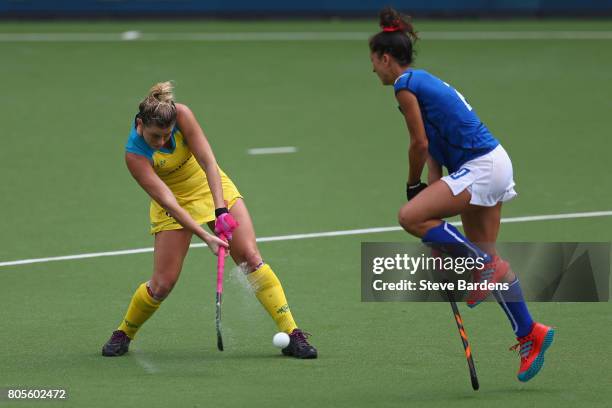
(299,36)
(361,231)
(131,35)
(272,150)
(147,365)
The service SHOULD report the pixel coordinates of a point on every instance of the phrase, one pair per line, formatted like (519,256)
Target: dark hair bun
(391,20)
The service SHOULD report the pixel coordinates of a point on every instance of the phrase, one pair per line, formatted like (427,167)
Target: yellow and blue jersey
(455,133)
(180,171)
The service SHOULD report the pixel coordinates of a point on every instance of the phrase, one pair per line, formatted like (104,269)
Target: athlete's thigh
(481,225)
(243,247)
(436,202)
(170,250)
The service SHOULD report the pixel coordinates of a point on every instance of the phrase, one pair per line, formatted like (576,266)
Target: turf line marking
(272,150)
(360,231)
(131,35)
(300,36)
(148,366)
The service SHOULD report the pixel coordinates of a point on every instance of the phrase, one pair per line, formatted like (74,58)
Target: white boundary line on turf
(361,231)
(272,150)
(149,367)
(136,36)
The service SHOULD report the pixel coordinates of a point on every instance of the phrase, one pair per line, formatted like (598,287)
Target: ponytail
(158,107)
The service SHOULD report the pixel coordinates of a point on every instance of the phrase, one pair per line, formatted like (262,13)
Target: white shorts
(488,178)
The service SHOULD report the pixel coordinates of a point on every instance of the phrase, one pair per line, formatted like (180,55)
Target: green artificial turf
(66,112)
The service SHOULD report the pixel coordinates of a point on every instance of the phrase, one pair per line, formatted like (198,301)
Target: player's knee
(161,288)
(252,258)
(409,220)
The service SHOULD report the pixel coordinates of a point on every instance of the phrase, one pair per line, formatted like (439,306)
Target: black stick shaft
(464,340)
(218,322)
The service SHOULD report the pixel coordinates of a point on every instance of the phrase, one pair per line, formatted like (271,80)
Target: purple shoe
(298,345)
(117,345)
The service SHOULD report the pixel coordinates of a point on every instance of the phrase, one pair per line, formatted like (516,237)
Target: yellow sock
(270,293)
(140,309)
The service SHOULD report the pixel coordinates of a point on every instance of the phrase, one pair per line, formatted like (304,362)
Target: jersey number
(459,173)
(467,105)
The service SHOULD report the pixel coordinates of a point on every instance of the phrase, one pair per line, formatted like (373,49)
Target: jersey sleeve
(405,81)
(137,145)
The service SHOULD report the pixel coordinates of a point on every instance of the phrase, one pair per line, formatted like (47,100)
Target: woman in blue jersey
(446,132)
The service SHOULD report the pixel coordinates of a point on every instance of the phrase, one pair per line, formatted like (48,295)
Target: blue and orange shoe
(533,346)
(492,272)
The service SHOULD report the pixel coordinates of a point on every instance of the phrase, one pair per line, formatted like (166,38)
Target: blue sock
(517,312)
(449,240)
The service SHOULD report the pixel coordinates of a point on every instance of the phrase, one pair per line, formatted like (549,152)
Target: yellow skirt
(198,203)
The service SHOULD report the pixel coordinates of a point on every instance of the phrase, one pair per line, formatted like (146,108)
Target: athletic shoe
(532,349)
(117,345)
(492,272)
(298,345)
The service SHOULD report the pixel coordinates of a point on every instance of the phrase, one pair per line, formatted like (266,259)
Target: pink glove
(225,223)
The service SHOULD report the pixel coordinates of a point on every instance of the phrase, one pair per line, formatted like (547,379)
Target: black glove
(413,189)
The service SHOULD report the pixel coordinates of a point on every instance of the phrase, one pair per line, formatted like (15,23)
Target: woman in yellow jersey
(169,156)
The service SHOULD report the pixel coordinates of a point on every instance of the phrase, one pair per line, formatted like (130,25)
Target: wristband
(219,211)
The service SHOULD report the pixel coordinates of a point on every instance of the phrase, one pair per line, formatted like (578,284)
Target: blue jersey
(455,133)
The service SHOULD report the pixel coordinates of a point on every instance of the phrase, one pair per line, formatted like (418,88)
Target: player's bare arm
(199,146)
(434,170)
(417,152)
